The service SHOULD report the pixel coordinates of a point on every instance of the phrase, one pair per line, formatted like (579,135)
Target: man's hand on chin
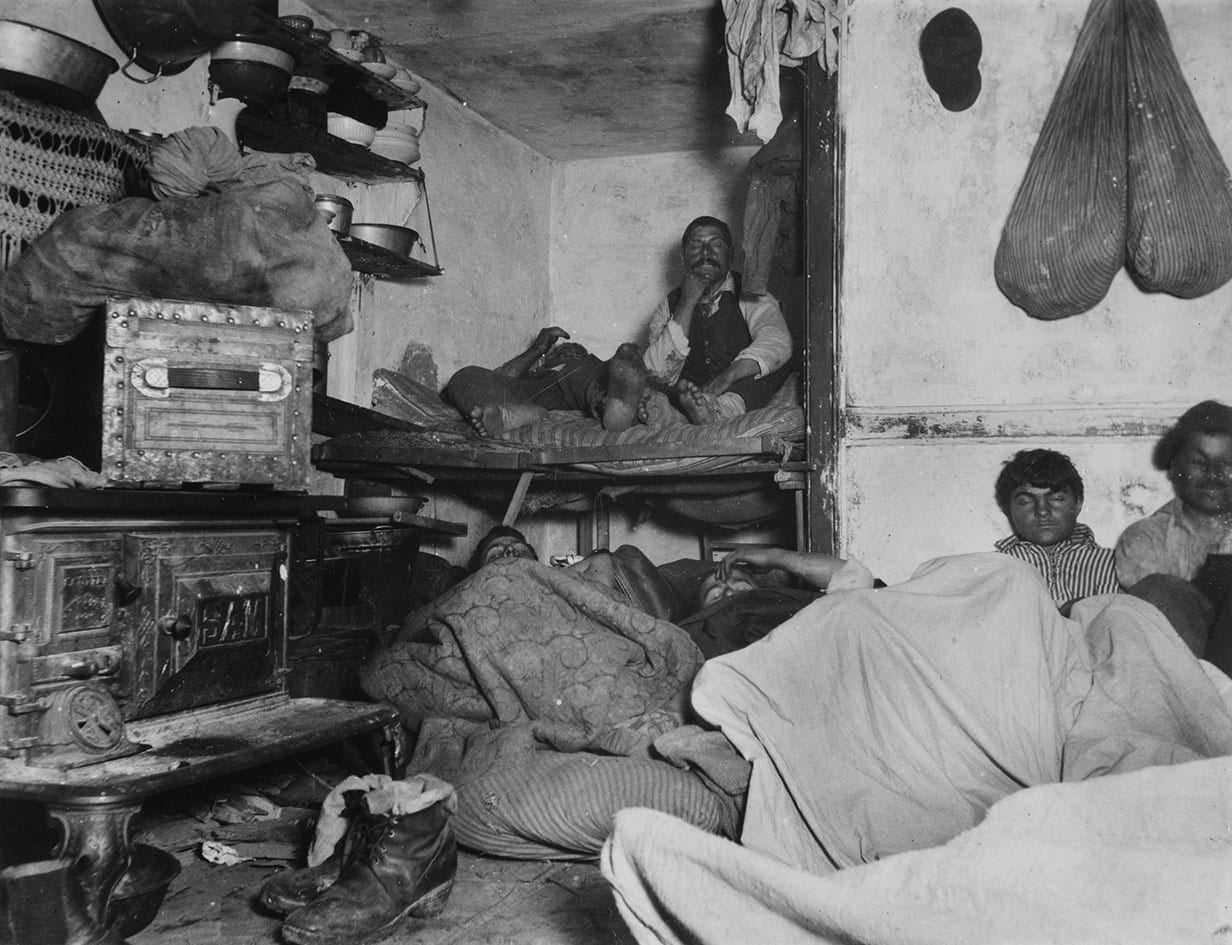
(694,288)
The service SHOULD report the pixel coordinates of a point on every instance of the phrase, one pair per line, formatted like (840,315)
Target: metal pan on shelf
(396,239)
(51,68)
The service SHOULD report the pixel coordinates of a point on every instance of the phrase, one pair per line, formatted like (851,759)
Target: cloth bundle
(1124,172)
(242,231)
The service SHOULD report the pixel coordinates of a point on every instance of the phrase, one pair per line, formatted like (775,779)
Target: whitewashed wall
(942,377)
(615,252)
(489,198)
(616,228)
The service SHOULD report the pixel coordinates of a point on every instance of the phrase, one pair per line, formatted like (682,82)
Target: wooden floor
(502,902)
(494,902)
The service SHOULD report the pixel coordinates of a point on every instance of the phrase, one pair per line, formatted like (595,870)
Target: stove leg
(98,832)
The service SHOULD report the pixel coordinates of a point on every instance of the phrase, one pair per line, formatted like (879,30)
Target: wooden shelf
(262,131)
(383,263)
(344,74)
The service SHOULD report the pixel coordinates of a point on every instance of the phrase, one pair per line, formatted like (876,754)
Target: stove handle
(178,628)
(102,665)
(126,592)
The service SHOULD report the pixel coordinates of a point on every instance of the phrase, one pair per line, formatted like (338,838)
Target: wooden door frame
(823,251)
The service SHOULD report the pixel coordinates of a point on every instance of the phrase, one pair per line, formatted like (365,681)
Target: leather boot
(42,903)
(288,891)
(404,865)
(294,889)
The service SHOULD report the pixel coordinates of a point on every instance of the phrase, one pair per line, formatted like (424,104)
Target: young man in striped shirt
(1041,493)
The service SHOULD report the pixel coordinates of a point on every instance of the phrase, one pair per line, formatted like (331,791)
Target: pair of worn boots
(394,856)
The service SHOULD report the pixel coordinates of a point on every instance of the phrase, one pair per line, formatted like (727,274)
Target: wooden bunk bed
(570,463)
(799,461)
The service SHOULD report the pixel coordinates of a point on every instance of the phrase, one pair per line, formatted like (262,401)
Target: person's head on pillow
(1196,453)
(502,541)
(1041,494)
(715,587)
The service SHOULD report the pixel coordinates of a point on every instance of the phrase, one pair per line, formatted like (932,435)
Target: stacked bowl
(253,68)
(349,129)
(397,143)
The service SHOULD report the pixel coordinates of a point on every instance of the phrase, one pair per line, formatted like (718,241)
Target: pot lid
(164,37)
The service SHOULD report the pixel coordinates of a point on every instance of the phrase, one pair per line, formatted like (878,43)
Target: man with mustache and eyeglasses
(714,351)
(1180,557)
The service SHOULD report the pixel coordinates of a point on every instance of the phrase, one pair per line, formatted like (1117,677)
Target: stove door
(210,623)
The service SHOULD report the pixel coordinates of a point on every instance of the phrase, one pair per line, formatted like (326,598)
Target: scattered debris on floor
(231,834)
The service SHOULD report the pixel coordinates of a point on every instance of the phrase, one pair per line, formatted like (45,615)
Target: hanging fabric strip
(761,35)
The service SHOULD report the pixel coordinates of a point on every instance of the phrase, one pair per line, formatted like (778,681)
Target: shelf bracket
(423,183)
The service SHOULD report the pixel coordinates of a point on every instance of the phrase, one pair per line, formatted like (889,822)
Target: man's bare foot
(626,381)
(656,411)
(495,419)
(697,405)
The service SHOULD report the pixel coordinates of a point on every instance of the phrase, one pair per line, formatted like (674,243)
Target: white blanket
(1144,857)
(885,721)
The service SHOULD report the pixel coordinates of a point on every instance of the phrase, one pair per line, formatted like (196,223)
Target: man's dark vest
(714,342)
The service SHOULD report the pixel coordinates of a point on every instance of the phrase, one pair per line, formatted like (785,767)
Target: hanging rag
(760,37)
(772,204)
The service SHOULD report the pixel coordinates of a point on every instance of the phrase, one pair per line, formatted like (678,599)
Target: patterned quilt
(521,642)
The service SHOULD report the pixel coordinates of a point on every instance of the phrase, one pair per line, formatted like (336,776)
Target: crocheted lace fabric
(52,160)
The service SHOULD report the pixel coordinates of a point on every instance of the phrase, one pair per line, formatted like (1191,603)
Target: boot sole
(432,903)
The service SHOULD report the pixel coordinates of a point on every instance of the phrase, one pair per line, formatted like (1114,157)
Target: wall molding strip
(873,425)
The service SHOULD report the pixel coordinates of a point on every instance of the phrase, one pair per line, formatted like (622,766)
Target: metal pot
(51,68)
(396,239)
(252,68)
(166,36)
(140,891)
(340,207)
